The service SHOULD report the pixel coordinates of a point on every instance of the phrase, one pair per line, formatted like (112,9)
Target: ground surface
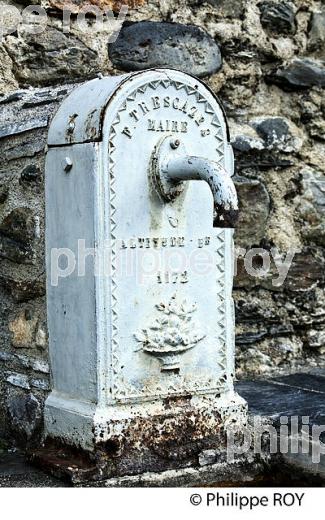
(15,472)
(301,395)
(292,395)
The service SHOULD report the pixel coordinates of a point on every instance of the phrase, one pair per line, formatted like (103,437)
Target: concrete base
(240,473)
(16,472)
(82,472)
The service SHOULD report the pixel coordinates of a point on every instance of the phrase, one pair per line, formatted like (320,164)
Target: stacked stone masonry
(265,61)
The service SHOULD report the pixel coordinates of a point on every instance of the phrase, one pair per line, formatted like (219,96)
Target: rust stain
(91,130)
(161,443)
(76,6)
(167,439)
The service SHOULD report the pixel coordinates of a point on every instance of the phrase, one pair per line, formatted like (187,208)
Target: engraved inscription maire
(167,125)
(158,104)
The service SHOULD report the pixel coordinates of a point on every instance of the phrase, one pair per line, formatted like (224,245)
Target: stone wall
(264,60)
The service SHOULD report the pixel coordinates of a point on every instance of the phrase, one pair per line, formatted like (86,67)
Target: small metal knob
(175,144)
(68,164)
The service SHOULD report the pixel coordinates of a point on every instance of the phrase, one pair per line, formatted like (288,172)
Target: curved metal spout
(171,166)
(222,187)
